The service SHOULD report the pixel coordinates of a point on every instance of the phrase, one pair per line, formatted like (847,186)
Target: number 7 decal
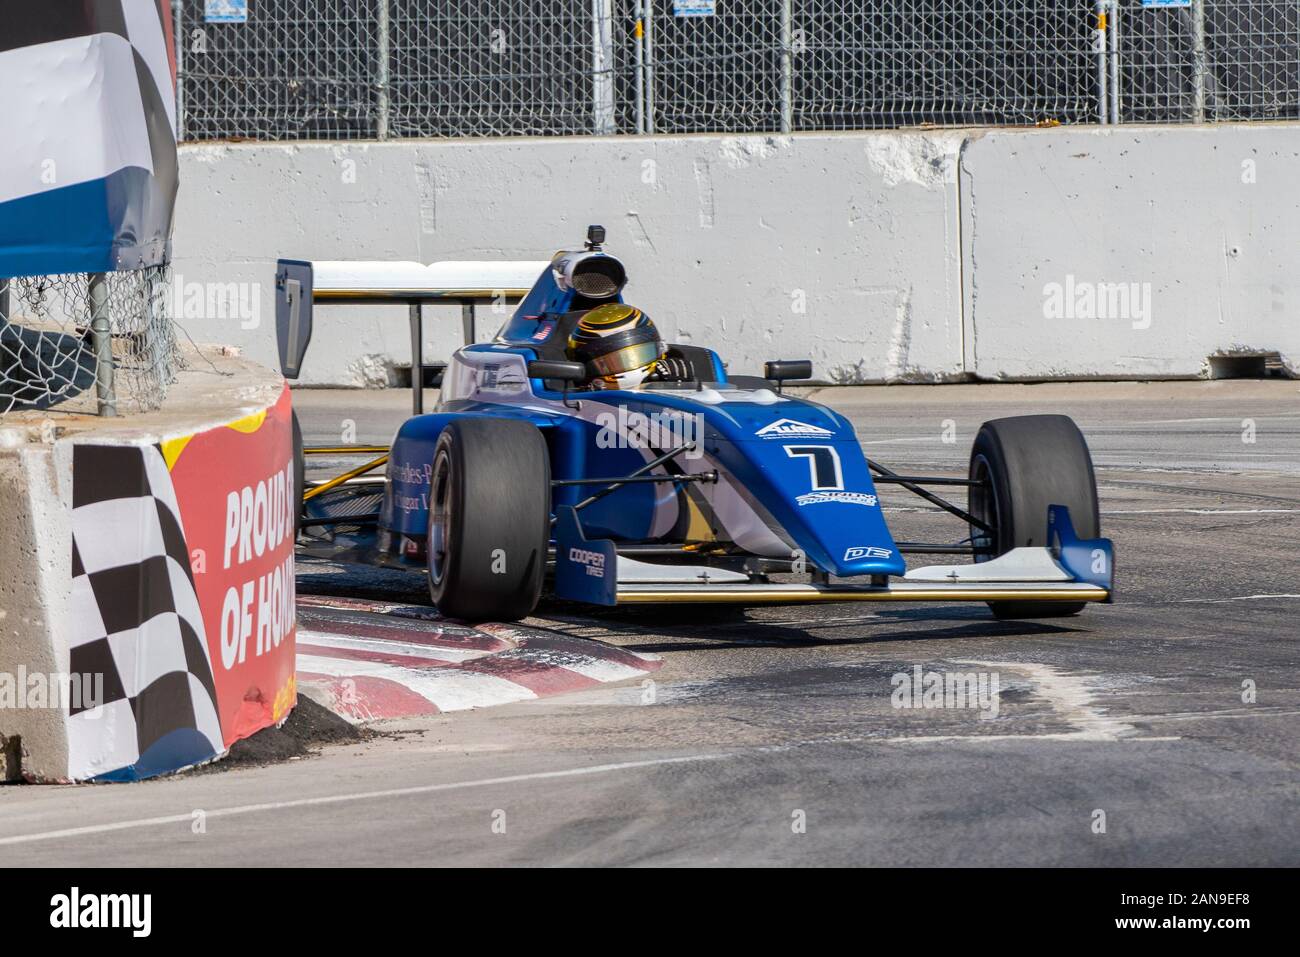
(823,465)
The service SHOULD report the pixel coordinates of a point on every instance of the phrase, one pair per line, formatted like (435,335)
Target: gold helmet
(618,344)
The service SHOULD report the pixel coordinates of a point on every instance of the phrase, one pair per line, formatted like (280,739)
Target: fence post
(381,75)
(101,337)
(787,69)
(649,66)
(178,38)
(1114,61)
(1099,47)
(1200,64)
(639,33)
(602,65)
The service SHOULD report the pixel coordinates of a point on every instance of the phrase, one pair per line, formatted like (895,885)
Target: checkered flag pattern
(136,620)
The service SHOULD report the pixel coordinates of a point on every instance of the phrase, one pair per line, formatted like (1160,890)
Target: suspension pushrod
(902,480)
(339,480)
(925,480)
(344,449)
(367,519)
(692,477)
(924,548)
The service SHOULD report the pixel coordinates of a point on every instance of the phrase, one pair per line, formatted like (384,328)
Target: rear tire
(489,519)
(299,474)
(1030,462)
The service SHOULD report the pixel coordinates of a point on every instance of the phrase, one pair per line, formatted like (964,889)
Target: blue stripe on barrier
(97,226)
(177,749)
(63,230)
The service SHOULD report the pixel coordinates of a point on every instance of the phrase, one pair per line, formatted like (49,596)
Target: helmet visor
(626,359)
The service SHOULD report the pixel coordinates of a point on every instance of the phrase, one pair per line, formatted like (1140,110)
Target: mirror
(557,369)
(785,370)
(293,301)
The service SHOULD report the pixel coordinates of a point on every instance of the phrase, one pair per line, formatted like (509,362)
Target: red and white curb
(367,660)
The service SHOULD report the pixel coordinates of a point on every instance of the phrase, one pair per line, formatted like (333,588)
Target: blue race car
(541,468)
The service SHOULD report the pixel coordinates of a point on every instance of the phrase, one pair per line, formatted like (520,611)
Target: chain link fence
(53,352)
(361,69)
(1210,61)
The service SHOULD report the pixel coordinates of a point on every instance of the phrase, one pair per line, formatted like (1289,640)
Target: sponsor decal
(842,498)
(824,469)
(410,486)
(225,11)
(500,377)
(859,552)
(789,428)
(594,562)
(694,8)
(544,333)
(585,570)
(234,487)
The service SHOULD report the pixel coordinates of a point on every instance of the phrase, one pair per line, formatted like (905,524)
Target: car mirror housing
(786,370)
(557,369)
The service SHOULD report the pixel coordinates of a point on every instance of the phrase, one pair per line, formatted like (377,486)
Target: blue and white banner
(225,11)
(88,170)
(694,8)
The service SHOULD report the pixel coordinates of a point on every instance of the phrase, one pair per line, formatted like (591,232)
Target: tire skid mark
(1072,698)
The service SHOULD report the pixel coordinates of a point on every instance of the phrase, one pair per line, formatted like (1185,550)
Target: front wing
(800,593)
(1070,569)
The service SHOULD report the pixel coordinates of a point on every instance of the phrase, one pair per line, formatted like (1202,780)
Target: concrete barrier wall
(1132,252)
(886,256)
(146,579)
(35,542)
(839,247)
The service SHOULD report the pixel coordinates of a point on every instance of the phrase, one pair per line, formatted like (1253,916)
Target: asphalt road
(1161,730)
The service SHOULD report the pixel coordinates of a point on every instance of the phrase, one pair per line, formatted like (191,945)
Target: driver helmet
(618,344)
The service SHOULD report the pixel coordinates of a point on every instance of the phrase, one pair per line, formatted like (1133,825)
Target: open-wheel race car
(538,471)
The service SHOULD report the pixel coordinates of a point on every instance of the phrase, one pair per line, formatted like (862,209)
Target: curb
(371,660)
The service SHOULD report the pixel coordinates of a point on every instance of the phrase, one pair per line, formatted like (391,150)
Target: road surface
(1161,730)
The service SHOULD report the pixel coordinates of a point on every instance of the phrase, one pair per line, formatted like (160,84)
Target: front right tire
(1024,464)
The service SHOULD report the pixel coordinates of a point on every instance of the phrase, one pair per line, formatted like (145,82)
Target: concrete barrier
(885,256)
(146,579)
(1125,253)
(842,247)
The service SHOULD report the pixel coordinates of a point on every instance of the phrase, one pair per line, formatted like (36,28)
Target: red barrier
(235,489)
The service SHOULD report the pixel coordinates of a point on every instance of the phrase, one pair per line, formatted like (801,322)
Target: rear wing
(300,284)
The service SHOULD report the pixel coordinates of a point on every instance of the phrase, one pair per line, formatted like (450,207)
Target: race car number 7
(823,465)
